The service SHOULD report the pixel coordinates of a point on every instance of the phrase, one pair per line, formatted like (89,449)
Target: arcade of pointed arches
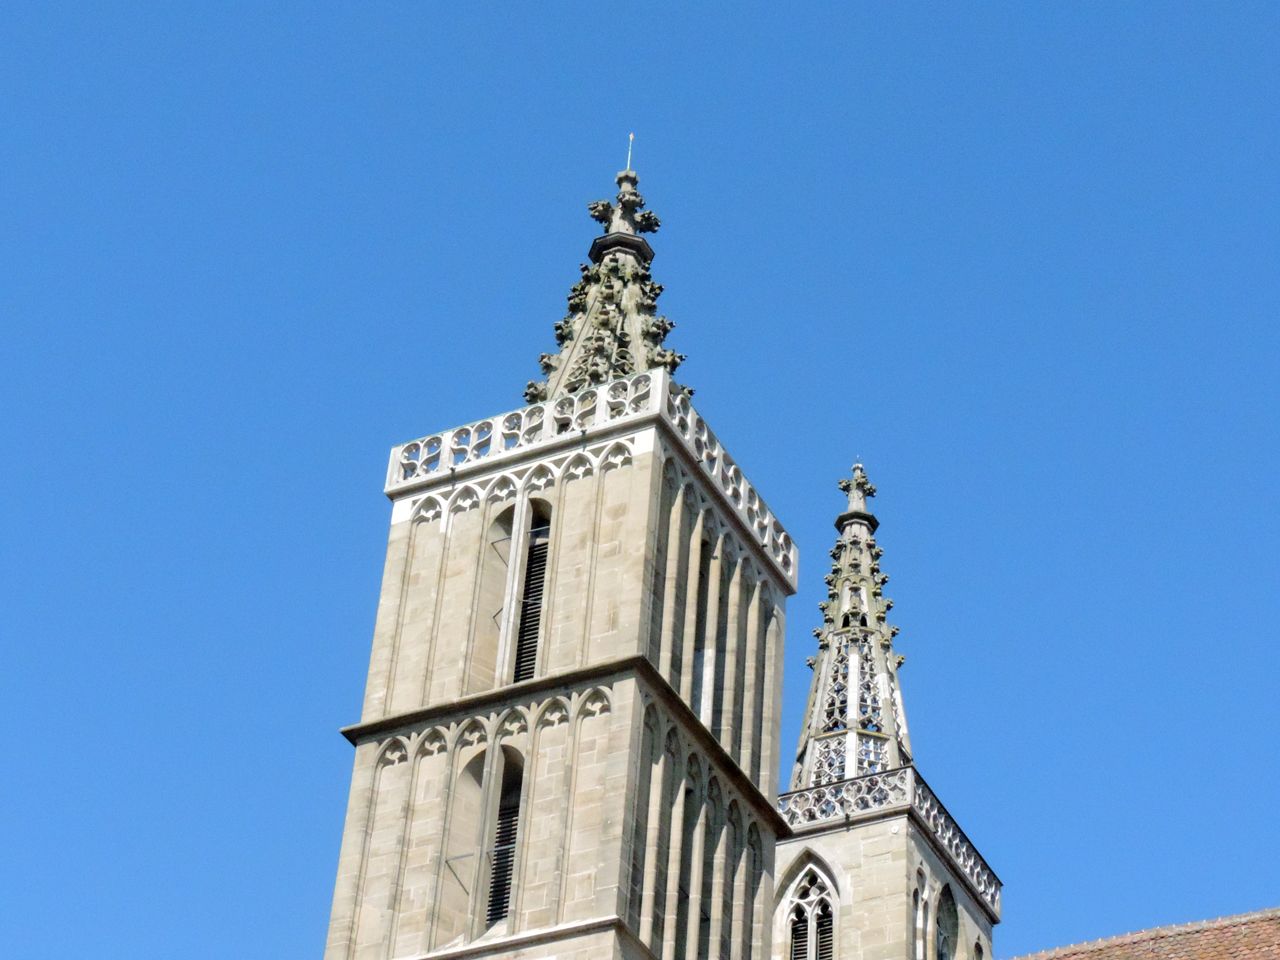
(457,796)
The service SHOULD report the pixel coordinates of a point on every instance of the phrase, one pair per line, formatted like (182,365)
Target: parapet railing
(569,418)
(876,794)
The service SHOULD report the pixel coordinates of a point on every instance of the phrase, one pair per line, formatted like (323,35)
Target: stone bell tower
(569,734)
(874,866)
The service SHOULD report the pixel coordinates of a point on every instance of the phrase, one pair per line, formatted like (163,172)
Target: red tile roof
(1246,936)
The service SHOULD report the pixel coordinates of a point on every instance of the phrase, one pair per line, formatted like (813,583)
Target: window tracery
(828,765)
(835,710)
(870,716)
(811,920)
(872,755)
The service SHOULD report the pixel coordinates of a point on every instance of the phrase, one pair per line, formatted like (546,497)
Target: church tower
(873,866)
(568,742)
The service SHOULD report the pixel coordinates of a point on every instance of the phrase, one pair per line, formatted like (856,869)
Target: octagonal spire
(856,724)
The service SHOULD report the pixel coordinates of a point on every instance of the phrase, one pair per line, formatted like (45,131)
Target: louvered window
(504,848)
(799,935)
(535,579)
(826,939)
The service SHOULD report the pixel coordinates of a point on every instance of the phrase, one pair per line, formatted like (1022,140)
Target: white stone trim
(592,416)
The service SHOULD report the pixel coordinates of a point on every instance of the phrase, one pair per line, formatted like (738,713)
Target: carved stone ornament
(612,328)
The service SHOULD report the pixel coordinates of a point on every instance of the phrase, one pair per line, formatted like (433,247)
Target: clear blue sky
(1021,258)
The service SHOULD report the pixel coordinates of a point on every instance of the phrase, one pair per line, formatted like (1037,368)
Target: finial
(629,215)
(631,138)
(859,489)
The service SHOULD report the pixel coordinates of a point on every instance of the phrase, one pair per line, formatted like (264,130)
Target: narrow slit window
(505,834)
(535,580)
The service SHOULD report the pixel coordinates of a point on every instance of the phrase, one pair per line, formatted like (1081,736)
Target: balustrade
(894,790)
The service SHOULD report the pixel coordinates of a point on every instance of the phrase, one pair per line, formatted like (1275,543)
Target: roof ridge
(1156,933)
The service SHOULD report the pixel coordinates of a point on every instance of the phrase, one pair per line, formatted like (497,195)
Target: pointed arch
(512,724)
(806,859)
(504,835)
(552,713)
(806,913)
(464,498)
(470,734)
(427,510)
(540,478)
(618,455)
(578,467)
(393,751)
(431,742)
(502,488)
(662,803)
(593,703)
(670,473)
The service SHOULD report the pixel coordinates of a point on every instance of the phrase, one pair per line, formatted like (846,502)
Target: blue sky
(1020,258)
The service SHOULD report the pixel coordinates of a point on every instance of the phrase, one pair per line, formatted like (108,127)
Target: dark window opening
(535,578)
(504,846)
(799,935)
(826,938)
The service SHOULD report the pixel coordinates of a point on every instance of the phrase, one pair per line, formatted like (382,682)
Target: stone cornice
(471,704)
(637,666)
(625,241)
(868,518)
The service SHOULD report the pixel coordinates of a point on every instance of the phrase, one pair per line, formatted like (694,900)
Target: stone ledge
(501,946)
(637,666)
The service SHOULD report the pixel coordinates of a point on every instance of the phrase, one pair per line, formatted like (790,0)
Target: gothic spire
(855,722)
(612,328)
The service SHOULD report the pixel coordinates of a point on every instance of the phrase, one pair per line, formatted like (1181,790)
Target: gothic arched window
(811,919)
(948,926)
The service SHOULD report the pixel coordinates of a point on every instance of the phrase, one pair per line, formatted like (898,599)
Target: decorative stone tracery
(874,795)
(855,650)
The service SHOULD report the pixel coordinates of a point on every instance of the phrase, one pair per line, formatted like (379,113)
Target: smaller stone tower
(875,867)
